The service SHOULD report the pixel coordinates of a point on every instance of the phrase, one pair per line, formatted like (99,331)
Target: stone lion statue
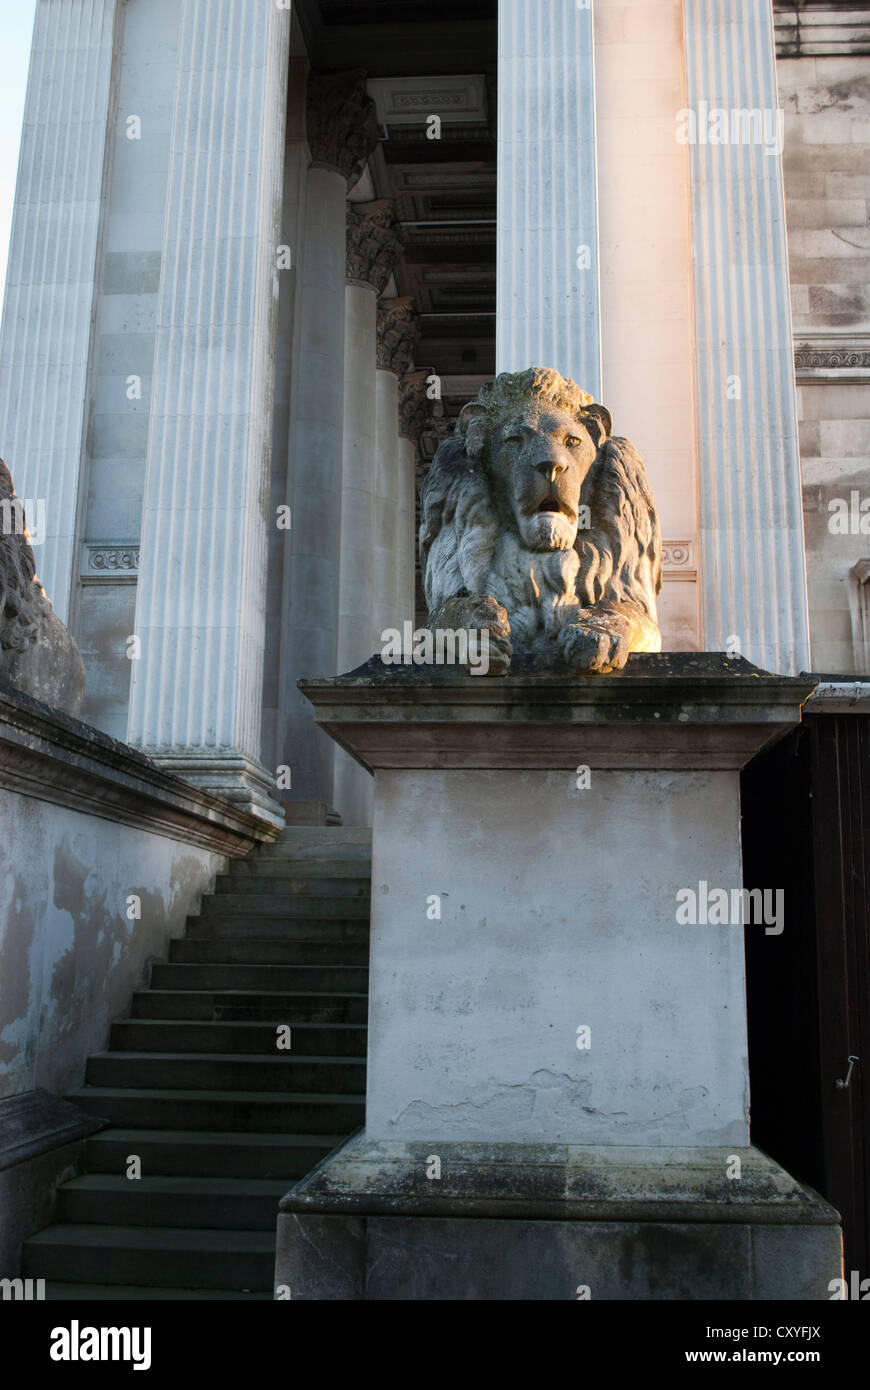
(540,527)
(37,653)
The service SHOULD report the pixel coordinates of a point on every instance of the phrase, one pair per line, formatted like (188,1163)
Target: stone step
(303,979)
(276,904)
(157,1256)
(332,839)
(313,866)
(231,1204)
(242,926)
(297,886)
(251,1039)
(194,1085)
(297,858)
(135,1293)
(192,950)
(224,1071)
(262,1006)
(285,1112)
(199,1153)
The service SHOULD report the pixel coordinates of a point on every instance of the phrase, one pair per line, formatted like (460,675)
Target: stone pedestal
(557,1068)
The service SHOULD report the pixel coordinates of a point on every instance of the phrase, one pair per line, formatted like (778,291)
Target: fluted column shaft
(415,410)
(196,689)
(373,249)
(753,579)
(547,309)
(45,346)
(397,335)
(341,132)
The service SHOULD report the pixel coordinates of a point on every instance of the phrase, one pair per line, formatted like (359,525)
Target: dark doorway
(806,829)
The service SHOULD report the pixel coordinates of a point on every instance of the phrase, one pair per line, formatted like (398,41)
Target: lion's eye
(572,441)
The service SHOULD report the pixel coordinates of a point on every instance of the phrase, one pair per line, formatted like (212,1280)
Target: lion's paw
(489,616)
(596,644)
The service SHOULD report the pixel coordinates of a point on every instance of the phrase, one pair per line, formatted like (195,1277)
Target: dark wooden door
(806,829)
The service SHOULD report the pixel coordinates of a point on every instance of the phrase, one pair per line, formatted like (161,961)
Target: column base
(553,1222)
(238,779)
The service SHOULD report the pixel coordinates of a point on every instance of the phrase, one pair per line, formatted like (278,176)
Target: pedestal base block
(389,1221)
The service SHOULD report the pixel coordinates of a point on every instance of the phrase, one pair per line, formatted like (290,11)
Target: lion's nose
(551,467)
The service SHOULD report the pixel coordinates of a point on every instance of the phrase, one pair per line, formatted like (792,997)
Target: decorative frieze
(679,561)
(841,357)
(374,244)
(828,359)
(412,100)
(398,334)
(116,563)
(342,124)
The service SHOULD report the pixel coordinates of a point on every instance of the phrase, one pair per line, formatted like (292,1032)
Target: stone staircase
(195,1085)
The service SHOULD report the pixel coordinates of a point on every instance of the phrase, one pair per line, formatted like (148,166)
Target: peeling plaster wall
(69,956)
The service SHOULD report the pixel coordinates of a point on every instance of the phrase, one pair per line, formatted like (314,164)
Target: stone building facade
(281,245)
(822,71)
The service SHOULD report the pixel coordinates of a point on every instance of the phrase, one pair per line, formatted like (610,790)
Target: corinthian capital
(374,244)
(398,333)
(415,406)
(342,125)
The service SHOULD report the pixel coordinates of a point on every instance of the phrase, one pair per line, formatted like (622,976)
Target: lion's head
(536,435)
(532,502)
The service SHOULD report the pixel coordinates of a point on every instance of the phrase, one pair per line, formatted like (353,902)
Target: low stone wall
(84,906)
(102,857)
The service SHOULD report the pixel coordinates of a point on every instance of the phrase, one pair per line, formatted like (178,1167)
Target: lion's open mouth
(550,505)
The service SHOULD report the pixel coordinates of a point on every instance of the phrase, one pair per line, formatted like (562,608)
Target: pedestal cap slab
(668,710)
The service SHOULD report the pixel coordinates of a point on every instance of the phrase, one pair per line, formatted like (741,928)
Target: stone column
(415,409)
(200,618)
(276,747)
(45,347)
(397,334)
(547,311)
(373,248)
(753,580)
(342,131)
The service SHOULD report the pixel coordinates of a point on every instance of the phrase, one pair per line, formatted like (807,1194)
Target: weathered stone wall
(102,857)
(70,957)
(826,160)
